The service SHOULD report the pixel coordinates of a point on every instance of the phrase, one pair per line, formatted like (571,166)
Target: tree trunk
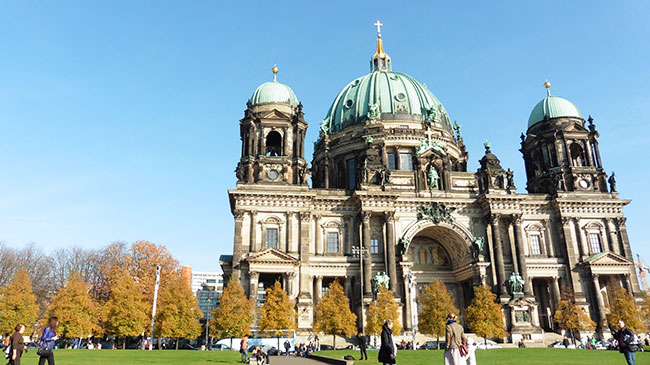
(485,338)
(334,341)
(438,342)
(124,344)
(159,343)
(231,343)
(176,343)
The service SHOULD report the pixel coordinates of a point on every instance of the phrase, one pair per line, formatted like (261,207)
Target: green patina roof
(391,92)
(274,92)
(552,107)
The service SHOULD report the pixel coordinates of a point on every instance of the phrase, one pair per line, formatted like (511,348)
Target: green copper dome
(274,92)
(553,107)
(387,95)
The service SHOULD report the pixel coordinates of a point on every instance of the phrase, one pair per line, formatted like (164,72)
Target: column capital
(515,219)
(492,218)
(389,216)
(305,216)
(620,221)
(365,215)
(253,213)
(595,276)
(254,275)
(566,220)
(239,214)
(292,274)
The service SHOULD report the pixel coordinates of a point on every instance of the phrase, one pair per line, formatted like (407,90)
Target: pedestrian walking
(471,351)
(627,343)
(287,346)
(316,344)
(454,337)
(593,343)
(17,344)
(388,350)
(362,345)
(243,349)
(45,350)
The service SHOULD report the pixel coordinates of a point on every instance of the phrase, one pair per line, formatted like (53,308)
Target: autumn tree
(277,314)
(644,310)
(141,261)
(484,316)
(437,303)
(125,312)
(333,315)
(17,303)
(571,317)
(179,311)
(382,309)
(623,307)
(234,315)
(78,314)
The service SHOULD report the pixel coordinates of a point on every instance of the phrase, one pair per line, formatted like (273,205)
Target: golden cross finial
(275,72)
(378,25)
(547,85)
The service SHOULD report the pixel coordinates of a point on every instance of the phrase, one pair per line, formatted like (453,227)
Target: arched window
(577,158)
(594,234)
(273,144)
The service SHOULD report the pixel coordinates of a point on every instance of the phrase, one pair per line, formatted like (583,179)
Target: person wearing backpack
(627,344)
(47,342)
(17,345)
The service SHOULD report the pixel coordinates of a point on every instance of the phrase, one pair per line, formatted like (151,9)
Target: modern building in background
(210,279)
(390,178)
(206,286)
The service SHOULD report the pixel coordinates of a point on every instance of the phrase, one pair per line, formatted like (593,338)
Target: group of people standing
(16,343)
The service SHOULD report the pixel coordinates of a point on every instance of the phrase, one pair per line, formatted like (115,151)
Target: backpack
(8,350)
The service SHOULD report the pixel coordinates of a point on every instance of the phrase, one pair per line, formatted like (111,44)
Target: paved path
(293,360)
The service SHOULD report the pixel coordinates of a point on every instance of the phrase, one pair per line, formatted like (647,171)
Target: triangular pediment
(607,259)
(275,114)
(271,255)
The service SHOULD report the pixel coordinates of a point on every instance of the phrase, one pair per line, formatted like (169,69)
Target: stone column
(305,282)
(347,288)
(290,247)
(574,278)
(318,239)
(548,240)
(625,243)
(291,279)
(516,223)
(252,285)
(407,300)
(319,289)
(584,250)
(599,302)
(498,253)
(556,291)
(253,227)
(612,236)
(367,264)
(628,284)
(390,250)
(238,249)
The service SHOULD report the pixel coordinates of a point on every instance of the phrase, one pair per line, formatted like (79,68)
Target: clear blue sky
(119,119)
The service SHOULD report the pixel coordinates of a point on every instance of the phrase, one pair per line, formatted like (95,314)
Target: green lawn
(503,356)
(529,356)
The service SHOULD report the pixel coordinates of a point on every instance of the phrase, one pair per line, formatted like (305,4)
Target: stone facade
(396,187)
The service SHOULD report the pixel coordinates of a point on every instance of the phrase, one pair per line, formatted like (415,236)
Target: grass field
(530,356)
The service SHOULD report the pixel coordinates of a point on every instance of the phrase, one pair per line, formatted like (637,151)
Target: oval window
(349,103)
(400,97)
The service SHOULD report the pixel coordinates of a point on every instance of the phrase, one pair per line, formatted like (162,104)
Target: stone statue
(432,178)
(431,115)
(366,171)
(510,178)
(612,183)
(303,174)
(239,172)
(516,283)
(384,174)
(380,279)
(369,139)
(436,212)
(478,245)
(459,136)
(403,245)
(324,127)
(373,112)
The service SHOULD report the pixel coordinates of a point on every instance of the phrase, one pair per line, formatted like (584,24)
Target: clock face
(583,183)
(273,174)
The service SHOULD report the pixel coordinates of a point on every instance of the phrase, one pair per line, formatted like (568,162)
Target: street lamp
(356,250)
(413,304)
(207,322)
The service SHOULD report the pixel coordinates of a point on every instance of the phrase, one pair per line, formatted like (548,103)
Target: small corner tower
(273,137)
(559,151)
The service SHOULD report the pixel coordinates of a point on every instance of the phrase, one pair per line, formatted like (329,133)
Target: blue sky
(119,119)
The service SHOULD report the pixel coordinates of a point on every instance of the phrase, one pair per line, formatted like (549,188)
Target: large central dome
(395,95)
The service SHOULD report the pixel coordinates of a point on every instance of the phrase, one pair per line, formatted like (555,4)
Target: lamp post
(207,322)
(413,304)
(360,251)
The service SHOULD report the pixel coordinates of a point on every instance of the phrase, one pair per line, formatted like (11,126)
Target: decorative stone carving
(516,284)
(436,212)
(380,279)
(478,245)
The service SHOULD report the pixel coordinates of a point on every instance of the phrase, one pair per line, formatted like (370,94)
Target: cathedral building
(391,197)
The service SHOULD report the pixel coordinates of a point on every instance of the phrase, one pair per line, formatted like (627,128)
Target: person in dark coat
(626,342)
(362,345)
(387,351)
(17,345)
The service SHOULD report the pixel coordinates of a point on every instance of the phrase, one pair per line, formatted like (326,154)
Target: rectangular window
(391,161)
(332,242)
(352,175)
(324,291)
(594,242)
(535,245)
(406,161)
(374,246)
(271,238)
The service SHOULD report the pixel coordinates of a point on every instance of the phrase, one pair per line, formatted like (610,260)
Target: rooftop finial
(547,85)
(275,72)
(380,61)
(378,25)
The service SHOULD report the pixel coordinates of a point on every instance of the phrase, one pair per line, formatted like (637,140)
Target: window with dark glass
(332,242)
(391,161)
(352,174)
(594,243)
(271,238)
(406,161)
(535,245)
(374,246)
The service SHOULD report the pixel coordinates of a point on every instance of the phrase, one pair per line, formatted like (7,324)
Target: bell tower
(560,152)
(273,137)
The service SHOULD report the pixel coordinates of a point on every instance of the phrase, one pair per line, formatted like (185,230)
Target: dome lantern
(274,92)
(380,60)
